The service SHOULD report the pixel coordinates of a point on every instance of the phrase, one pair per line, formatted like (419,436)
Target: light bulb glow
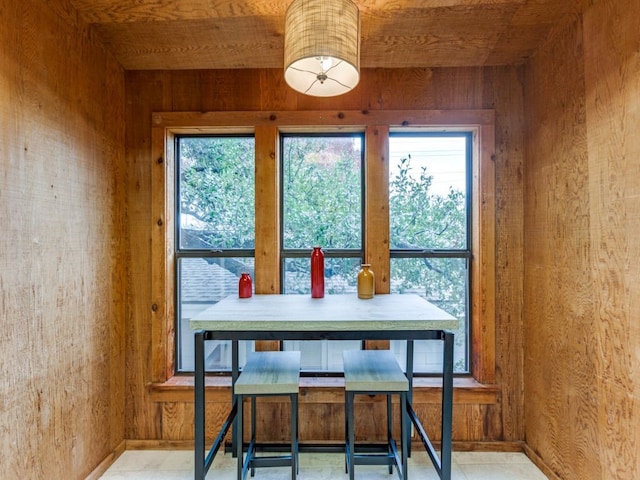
(326,63)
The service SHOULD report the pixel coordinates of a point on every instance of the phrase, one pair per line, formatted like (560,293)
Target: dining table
(407,317)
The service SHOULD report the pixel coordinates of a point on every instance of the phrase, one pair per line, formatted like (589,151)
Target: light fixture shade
(322,46)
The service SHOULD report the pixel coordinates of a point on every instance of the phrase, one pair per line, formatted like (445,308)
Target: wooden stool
(267,374)
(375,372)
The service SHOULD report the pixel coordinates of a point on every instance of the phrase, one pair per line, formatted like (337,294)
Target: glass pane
(322,355)
(217,192)
(204,282)
(443,282)
(322,188)
(340,275)
(427,185)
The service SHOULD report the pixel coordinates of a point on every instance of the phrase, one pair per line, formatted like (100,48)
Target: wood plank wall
(65,249)
(61,249)
(168,416)
(582,231)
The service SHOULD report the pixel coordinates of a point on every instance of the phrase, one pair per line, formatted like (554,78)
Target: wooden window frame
(266,127)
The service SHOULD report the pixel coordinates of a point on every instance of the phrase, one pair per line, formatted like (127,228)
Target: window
(430,233)
(187,239)
(322,205)
(215,231)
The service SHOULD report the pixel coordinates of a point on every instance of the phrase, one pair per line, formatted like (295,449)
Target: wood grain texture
(140,416)
(582,339)
(483,273)
(270,372)
(103,466)
(334,119)
(63,246)
(267,203)
(327,390)
(376,240)
(197,34)
(162,247)
(373,371)
(557,297)
(447,93)
(509,271)
(612,78)
(370,420)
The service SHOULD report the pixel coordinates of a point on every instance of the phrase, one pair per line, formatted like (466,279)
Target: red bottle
(317,273)
(244,286)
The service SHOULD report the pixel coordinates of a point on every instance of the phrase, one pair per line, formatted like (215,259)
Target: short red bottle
(317,273)
(245,289)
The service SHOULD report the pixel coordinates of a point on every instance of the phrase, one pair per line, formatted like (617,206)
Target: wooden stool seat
(375,372)
(267,374)
(270,373)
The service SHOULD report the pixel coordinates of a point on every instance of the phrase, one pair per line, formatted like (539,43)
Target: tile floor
(178,465)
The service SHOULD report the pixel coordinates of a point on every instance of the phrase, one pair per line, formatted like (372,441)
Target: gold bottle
(366,283)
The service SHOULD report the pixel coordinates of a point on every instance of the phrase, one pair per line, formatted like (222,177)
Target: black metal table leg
(199,402)
(404,428)
(235,372)
(409,370)
(442,463)
(447,406)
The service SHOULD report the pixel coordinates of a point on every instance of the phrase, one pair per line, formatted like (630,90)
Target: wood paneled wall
(168,415)
(62,245)
(582,231)
(76,210)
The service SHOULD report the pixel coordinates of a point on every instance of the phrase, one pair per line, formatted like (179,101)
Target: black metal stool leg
(404,434)
(389,429)
(253,433)
(346,435)
(268,374)
(351,437)
(239,436)
(294,436)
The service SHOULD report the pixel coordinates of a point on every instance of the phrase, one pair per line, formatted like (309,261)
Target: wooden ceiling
(193,34)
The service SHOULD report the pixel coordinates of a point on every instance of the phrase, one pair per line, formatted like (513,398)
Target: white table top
(331,313)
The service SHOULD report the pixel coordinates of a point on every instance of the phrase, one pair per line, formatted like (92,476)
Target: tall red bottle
(317,273)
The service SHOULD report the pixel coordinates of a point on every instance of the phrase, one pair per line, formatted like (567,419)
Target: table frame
(441,463)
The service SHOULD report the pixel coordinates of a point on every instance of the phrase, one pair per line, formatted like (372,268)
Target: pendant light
(322,47)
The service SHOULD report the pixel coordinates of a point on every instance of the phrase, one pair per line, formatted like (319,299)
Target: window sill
(466,390)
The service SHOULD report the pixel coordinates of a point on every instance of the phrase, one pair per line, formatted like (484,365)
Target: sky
(444,158)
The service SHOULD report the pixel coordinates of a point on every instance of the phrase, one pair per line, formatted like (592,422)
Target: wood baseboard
(515,446)
(538,462)
(457,446)
(107,462)
(159,444)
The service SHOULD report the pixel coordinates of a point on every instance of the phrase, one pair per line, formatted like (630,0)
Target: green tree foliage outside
(322,179)
(422,220)
(322,192)
(217,188)
(322,206)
